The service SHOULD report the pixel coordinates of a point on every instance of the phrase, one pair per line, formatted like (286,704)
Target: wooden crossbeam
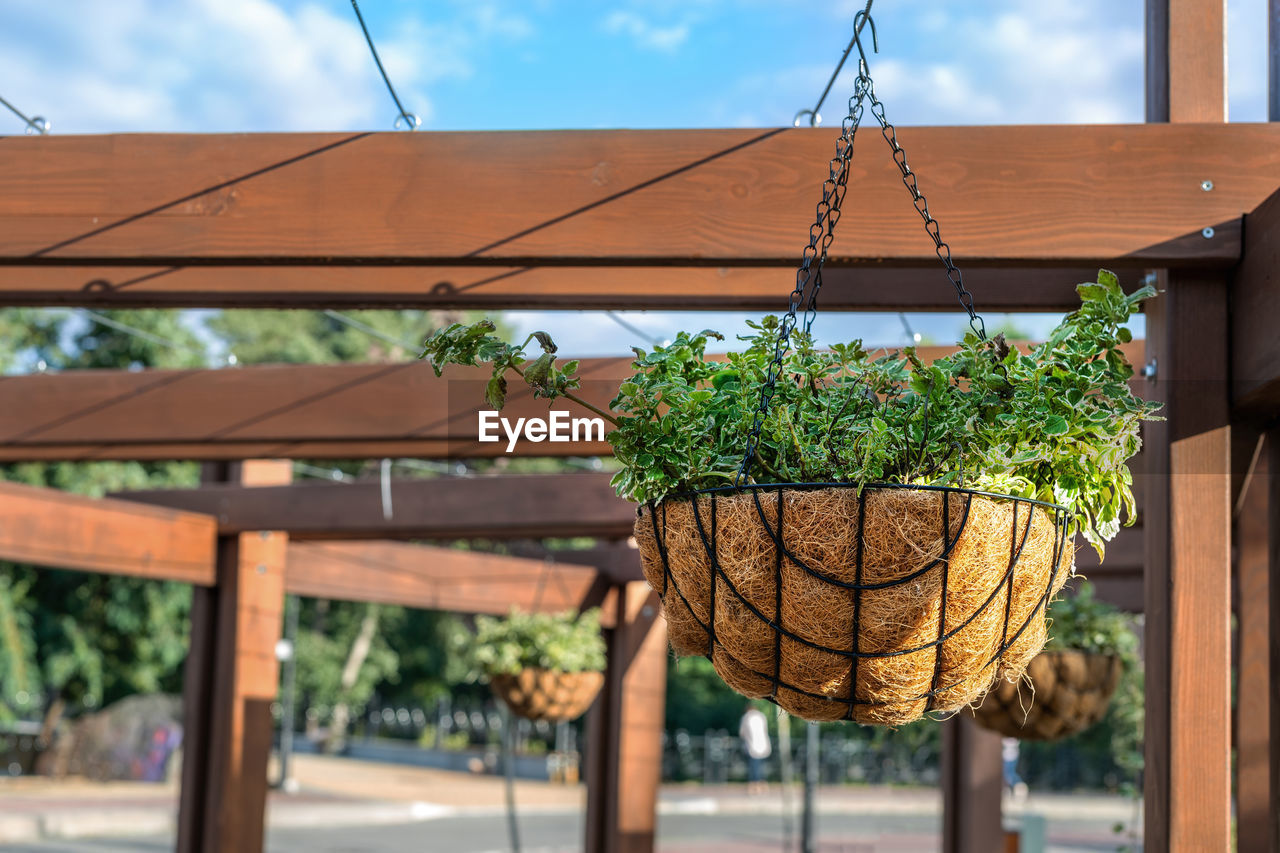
(1063,195)
(300,411)
(518,507)
(57,530)
(724,288)
(434,578)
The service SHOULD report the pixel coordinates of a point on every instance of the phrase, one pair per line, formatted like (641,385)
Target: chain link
(866,88)
(809,275)
(822,232)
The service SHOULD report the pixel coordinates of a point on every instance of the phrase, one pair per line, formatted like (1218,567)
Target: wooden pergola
(646,219)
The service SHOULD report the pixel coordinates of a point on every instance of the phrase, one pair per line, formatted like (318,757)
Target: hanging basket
(875,605)
(548,694)
(1069,691)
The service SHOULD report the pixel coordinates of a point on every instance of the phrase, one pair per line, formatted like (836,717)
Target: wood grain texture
(63,531)
(517,507)
(1059,195)
(624,753)
(758,288)
(297,411)
(1200,678)
(433,578)
(250,606)
(1197,58)
(229,682)
(1255,308)
(1187,519)
(1253,665)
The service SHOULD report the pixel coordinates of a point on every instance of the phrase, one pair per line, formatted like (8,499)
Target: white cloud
(229,65)
(646,34)
(1047,62)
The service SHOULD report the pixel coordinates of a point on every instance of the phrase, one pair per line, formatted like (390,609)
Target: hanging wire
(335,474)
(859,21)
(405,120)
(633,329)
(913,337)
(35,124)
(369,330)
(150,337)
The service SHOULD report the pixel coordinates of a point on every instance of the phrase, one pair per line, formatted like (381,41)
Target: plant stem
(574,398)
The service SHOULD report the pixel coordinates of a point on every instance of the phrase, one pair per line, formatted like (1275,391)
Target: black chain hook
(859,21)
(863,18)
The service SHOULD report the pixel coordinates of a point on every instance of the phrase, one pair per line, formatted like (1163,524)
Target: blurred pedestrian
(754,732)
(1009,748)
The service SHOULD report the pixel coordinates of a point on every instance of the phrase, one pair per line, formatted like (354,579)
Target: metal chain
(809,275)
(866,88)
(822,232)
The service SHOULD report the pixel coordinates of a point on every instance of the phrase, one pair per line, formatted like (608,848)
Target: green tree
(71,640)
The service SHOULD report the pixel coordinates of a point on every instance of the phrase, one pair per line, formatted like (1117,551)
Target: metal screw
(1149,370)
(646,611)
(265,535)
(262,568)
(1207,233)
(1206,185)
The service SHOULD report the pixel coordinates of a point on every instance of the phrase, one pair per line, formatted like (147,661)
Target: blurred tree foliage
(75,640)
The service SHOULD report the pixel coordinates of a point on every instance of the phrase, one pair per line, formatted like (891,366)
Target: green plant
(568,642)
(1055,424)
(1081,621)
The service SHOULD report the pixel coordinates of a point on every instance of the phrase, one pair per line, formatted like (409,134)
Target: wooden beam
(297,411)
(724,288)
(624,755)
(231,681)
(1187,520)
(433,578)
(1186,61)
(972,781)
(518,507)
(1255,305)
(1060,195)
(1273,614)
(58,530)
(1253,666)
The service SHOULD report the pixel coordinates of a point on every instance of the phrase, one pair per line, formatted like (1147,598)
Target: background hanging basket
(548,694)
(869,612)
(1069,691)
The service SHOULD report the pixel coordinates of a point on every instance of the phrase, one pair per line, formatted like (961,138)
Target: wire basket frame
(794,597)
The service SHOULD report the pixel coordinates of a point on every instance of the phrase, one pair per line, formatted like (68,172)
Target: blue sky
(93,66)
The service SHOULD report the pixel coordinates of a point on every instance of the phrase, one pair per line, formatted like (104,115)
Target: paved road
(561,833)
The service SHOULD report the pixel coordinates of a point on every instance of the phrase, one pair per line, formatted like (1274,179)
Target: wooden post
(1187,524)
(972,780)
(624,758)
(1253,702)
(230,682)
(1273,679)
(1186,60)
